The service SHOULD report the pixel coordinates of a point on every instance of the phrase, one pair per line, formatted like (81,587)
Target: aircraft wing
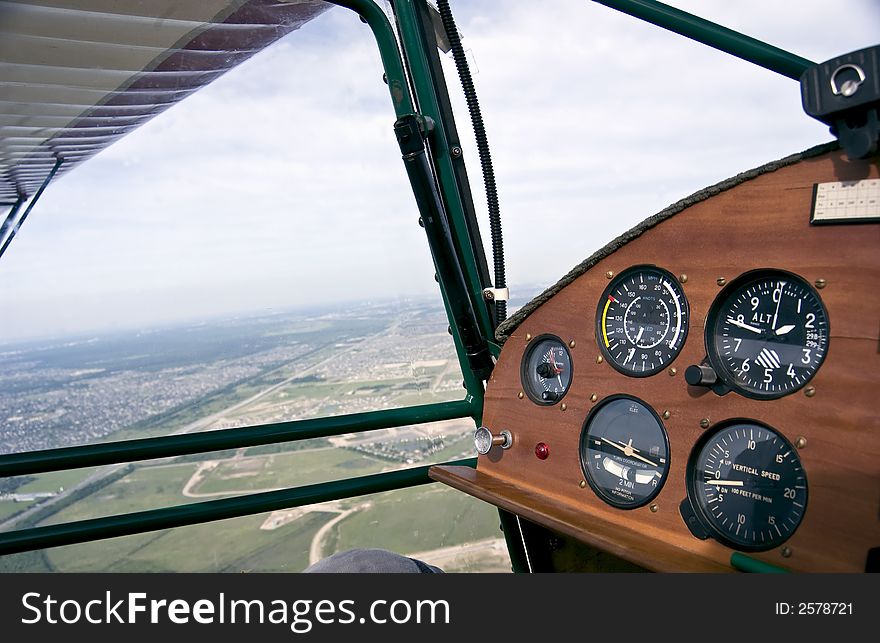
(77,75)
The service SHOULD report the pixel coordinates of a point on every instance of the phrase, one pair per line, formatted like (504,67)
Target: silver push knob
(484,440)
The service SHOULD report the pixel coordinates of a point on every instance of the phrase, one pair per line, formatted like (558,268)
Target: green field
(8,507)
(418,519)
(406,521)
(288,470)
(55,480)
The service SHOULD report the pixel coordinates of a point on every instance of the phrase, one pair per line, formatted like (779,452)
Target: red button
(542,451)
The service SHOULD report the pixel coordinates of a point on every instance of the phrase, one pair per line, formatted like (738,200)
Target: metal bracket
(844,93)
(496,294)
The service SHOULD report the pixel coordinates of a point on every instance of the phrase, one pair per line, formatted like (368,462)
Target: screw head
(683,278)
(600,359)
(801,442)
(563,406)
(810,391)
(704,423)
(721,281)
(820,283)
(528,337)
(672,371)
(786,552)
(594,397)
(666,415)
(520,395)
(654,508)
(455,151)
(582,484)
(609,274)
(571,344)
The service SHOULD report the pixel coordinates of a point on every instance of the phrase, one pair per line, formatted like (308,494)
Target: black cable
(473,104)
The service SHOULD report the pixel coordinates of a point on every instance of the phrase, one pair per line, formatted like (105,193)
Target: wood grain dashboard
(756,222)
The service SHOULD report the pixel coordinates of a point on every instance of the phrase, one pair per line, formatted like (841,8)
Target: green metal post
(426,100)
(375,18)
(748,564)
(90,455)
(714,35)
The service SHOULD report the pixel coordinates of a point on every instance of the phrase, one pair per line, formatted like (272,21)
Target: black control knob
(700,375)
(545,370)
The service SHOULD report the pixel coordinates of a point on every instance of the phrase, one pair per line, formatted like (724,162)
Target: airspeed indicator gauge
(642,321)
(546,370)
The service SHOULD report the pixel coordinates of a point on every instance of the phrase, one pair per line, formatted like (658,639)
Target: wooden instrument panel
(762,222)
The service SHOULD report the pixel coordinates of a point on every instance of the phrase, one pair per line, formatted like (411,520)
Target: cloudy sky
(281,186)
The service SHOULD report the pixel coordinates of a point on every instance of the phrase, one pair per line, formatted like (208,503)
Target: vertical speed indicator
(746,486)
(642,320)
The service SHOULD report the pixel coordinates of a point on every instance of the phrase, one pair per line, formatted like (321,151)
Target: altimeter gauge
(546,370)
(624,452)
(642,320)
(746,486)
(767,334)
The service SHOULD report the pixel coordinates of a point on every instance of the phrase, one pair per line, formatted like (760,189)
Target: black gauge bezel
(721,300)
(527,353)
(585,469)
(693,493)
(685,307)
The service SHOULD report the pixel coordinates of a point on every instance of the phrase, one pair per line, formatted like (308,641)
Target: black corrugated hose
(473,104)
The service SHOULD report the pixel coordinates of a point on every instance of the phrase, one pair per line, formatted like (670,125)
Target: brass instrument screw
(683,278)
(801,442)
(609,274)
(666,415)
(672,371)
(704,423)
(563,406)
(820,283)
(571,344)
(594,397)
(810,391)
(520,395)
(721,281)
(599,359)
(786,552)
(528,337)
(582,484)
(654,508)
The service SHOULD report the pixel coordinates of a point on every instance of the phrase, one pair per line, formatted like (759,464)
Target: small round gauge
(624,452)
(642,320)
(767,334)
(746,485)
(546,370)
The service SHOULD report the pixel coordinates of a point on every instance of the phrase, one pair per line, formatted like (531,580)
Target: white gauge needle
(639,336)
(737,322)
(778,293)
(726,483)
(632,351)
(784,330)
